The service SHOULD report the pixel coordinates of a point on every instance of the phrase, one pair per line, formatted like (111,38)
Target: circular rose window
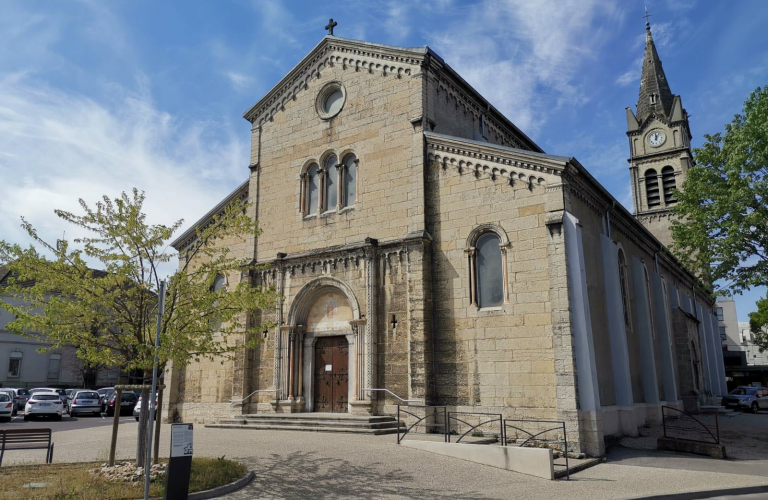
(330,100)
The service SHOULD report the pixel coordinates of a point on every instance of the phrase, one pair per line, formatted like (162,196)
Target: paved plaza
(314,465)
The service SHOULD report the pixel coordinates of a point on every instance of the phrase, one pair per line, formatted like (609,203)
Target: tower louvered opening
(668,182)
(652,188)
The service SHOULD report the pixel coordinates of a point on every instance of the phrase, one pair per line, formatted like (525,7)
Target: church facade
(425,247)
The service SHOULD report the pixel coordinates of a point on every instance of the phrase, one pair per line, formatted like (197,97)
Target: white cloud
(60,146)
(239,81)
(632,75)
(524,55)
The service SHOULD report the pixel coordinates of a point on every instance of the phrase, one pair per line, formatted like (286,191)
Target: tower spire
(655,95)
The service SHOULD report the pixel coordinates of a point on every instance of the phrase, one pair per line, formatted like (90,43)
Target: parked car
(137,409)
(106,393)
(22,396)
(85,401)
(7,406)
(44,404)
(43,389)
(70,393)
(747,398)
(127,403)
(12,395)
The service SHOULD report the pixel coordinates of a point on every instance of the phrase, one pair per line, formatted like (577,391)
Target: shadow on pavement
(308,475)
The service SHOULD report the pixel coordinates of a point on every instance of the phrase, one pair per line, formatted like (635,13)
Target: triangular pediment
(354,55)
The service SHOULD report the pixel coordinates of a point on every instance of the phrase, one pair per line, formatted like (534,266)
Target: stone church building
(423,244)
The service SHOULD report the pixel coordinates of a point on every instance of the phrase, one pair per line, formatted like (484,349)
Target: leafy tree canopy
(109,314)
(722,227)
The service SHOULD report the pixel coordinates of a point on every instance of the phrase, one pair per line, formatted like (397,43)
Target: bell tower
(659,146)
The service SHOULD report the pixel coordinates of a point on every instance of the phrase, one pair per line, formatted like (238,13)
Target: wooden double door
(331,381)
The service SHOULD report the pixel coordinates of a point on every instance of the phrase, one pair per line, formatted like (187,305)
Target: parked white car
(44,404)
(6,407)
(137,409)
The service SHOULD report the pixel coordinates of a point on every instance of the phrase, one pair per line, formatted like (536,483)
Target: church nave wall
(495,359)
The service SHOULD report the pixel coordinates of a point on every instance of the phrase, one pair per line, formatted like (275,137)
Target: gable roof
(367,56)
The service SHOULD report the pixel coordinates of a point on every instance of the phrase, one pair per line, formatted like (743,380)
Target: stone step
(348,430)
(386,424)
(319,417)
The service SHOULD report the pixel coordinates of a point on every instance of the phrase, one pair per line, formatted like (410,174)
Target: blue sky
(97,97)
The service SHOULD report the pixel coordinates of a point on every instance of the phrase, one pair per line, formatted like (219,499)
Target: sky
(99,97)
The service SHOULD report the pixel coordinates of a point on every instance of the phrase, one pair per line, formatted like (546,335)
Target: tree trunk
(143,435)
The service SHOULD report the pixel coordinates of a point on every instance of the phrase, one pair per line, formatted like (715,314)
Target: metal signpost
(153,392)
(180,463)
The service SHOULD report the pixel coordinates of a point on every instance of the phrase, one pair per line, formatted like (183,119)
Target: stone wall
(500,359)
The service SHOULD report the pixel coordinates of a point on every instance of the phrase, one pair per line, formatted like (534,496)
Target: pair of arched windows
(332,187)
(488,271)
(667,185)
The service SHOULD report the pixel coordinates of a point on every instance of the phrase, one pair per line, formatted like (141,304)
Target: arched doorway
(321,349)
(329,331)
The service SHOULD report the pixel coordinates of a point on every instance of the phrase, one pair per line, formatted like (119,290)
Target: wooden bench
(26,439)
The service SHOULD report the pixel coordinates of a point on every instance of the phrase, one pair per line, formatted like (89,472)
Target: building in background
(747,346)
(23,365)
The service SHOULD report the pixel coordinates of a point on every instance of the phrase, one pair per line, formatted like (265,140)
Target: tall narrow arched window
(624,283)
(331,183)
(490,274)
(218,284)
(650,301)
(350,180)
(652,188)
(668,182)
(313,189)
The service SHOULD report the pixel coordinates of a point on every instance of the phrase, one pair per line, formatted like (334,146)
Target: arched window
(650,302)
(652,188)
(624,283)
(14,364)
(668,182)
(490,274)
(218,284)
(331,184)
(313,190)
(350,180)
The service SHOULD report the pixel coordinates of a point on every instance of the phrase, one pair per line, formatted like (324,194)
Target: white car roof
(46,394)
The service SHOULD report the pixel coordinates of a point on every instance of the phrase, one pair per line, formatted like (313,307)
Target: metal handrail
(419,419)
(533,437)
(685,415)
(233,401)
(395,396)
(496,416)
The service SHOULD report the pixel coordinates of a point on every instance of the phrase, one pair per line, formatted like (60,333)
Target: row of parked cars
(47,401)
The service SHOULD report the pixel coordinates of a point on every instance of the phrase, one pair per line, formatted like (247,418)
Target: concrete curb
(220,490)
(694,495)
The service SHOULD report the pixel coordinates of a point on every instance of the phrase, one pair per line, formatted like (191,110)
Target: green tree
(758,324)
(110,314)
(721,231)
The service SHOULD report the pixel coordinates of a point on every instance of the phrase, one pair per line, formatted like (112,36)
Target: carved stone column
(505,272)
(340,182)
(472,281)
(360,404)
(371,264)
(303,194)
(291,362)
(321,189)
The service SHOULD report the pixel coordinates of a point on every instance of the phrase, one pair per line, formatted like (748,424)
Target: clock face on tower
(656,139)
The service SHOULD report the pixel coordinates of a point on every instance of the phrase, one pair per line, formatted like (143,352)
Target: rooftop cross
(331,25)
(646,16)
